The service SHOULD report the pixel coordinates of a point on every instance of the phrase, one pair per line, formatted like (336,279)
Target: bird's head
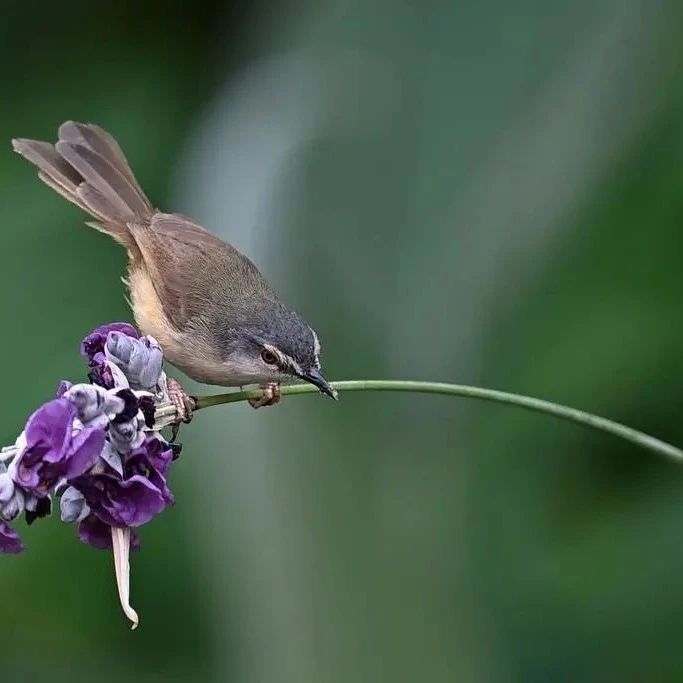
(280,347)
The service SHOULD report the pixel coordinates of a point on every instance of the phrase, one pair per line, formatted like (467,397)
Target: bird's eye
(268,357)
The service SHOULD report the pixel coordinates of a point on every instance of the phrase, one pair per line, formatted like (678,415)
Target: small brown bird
(208,306)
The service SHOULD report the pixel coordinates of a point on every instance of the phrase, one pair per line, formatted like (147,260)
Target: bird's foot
(271,396)
(184,405)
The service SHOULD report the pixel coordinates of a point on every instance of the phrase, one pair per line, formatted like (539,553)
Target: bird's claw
(271,396)
(184,405)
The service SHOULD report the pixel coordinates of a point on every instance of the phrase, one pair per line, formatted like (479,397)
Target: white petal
(120,539)
(112,458)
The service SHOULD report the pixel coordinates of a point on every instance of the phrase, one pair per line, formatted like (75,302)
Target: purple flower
(152,460)
(155,453)
(107,374)
(103,372)
(9,540)
(93,447)
(136,497)
(53,451)
(102,375)
(121,502)
(96,533)
(93,345)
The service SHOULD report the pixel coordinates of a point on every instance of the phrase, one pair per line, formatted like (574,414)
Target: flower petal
(97,534)
(131,502)
(6,487)
(86,447)
(9,540)
(94,402)
(36,508)
(63,387)
(72,506)
(14,506)
(49,428)
(141,360)
(112,458)
(94,342)
(121,547)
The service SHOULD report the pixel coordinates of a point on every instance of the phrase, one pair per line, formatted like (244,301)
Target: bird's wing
(189,267)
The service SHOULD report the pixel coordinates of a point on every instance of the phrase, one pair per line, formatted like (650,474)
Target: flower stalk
(634,436)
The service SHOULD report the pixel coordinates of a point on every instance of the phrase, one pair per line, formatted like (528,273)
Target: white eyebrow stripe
(316,348)
(288,361)
(295,366)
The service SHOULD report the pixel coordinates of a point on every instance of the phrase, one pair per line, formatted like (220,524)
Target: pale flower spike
(120,539)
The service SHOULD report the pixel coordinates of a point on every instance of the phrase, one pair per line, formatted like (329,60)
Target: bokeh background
(483,192)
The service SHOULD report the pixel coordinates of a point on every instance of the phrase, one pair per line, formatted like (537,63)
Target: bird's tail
(87,167)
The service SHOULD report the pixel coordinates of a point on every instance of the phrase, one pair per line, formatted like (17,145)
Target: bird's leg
(271,396)
(183,403)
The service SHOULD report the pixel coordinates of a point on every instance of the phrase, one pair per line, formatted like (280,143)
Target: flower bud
(139,359)
(94,405)
(63,387)
(14,506)
(9,540)
(6,487)
(72,506)
(149,376)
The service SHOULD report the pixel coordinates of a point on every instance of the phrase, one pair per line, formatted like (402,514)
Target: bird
(213,313)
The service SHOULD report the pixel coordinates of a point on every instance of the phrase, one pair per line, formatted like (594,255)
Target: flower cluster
(95,448)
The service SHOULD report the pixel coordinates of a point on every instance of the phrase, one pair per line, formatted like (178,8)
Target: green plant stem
(645,441)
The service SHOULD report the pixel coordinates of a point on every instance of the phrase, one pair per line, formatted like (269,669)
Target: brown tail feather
(67,193)
(45,157)
(100,174)
(98,140)
(87,167)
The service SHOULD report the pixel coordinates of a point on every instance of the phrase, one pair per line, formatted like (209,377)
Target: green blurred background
(483,192)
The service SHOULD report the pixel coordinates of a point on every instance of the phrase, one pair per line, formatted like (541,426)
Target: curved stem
(645,441)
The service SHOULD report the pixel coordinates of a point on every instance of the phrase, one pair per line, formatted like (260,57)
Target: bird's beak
(314,377)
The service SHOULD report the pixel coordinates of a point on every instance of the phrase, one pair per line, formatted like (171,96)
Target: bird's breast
(183,348)
(148,311)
